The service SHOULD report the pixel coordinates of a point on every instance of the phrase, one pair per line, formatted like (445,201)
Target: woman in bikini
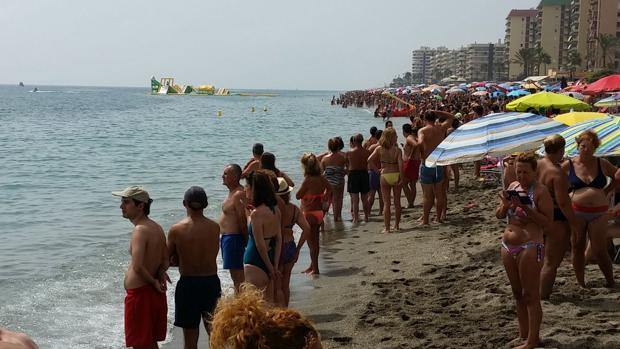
(391,158)
(292,215)
(262,253)
(587,179)
(334,170)
(313,193)
(529,209)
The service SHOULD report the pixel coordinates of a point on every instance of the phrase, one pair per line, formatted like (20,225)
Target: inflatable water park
(166,86)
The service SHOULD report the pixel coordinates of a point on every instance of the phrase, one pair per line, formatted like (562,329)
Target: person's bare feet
(307,270)
(386,231)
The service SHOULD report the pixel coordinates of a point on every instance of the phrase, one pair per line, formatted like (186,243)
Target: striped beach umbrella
(607,129)
(611,101)
(493,135)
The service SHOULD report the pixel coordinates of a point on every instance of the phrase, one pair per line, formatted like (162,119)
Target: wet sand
(441,286)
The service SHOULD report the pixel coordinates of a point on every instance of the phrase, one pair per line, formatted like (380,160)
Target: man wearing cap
(145,280)
(193,245)
(254,163)
(233,225)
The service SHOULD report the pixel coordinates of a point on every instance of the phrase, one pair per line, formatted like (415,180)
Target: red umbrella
(609,83)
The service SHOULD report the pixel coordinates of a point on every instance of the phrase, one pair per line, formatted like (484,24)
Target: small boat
(35,90)
(402,112)
(21,84)
(166,86)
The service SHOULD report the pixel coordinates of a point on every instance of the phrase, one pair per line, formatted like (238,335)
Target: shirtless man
(412,156)
(557,234)
(233,225)
(358,184)
(15,340)
(193,244)
(254,163)
(146,308)
(432,178)
(373,138)
(374,176)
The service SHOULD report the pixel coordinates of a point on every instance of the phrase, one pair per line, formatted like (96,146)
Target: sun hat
(196,197)
(134,192)
(283,187)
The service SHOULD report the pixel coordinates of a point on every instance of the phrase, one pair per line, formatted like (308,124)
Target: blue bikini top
(600,181)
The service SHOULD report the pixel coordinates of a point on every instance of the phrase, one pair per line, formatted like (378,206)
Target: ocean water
(63,241)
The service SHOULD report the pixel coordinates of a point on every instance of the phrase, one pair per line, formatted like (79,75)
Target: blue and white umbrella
(518,93)
(496,94)
(481,88)
(493,135)
(611,101)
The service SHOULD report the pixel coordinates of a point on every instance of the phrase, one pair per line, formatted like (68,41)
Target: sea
(63,241)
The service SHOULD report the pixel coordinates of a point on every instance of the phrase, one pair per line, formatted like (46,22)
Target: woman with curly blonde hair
(248,321)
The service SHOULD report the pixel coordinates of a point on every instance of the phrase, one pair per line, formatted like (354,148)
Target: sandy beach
(444,286)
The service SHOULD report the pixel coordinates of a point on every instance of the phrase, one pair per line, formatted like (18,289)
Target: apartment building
(521,32)
(486,62)
(554,28)
(421,64)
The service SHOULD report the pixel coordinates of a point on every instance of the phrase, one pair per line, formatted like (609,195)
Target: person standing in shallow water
(146,306)
(193,245)
(358,184)
(334,170)
(233,225)
(528,208)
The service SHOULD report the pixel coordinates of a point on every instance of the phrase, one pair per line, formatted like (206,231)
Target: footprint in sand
(372,252)
(396,262)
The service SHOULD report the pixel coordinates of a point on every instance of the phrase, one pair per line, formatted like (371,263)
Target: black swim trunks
(194,296)
(358,182)
(558,215)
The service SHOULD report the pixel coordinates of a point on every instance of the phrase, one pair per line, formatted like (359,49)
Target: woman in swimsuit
(262,253)
(391,159)
(334,171)
(522,248)
(292,215)
(587,178)
(313,193)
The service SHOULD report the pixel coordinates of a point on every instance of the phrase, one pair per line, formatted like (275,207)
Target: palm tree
(545,59)
(608,44)
(542,57)
(573,60)
(525,57)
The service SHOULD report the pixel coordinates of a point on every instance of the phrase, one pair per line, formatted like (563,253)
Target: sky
(256,44)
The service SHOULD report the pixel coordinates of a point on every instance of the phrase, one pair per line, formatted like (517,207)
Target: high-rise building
(486,62)
(554,24)
(590,20)
(421,64)
(521,32)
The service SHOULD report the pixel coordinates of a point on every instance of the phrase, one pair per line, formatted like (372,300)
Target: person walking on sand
(262,253)
(411,163)
(146,306)
(432,178)
(254,163)
(557,236)
(391,158)
(193,245)
(292,215)
(528,208)
(334,170)
(233,225)
(358,184)
(313,193)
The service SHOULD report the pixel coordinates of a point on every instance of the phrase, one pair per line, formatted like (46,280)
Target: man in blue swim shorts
(431,178)
(193,244)
(233,225)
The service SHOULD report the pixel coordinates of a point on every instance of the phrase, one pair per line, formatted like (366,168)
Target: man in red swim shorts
(146,307)
(411,163)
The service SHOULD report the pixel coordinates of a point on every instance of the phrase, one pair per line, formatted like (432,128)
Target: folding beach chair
(491,171)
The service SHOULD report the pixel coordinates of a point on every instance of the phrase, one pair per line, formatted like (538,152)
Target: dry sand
(444,286)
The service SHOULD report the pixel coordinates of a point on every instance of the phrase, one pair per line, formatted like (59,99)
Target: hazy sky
(288,44)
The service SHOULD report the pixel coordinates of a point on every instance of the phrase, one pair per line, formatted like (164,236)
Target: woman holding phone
(528,208)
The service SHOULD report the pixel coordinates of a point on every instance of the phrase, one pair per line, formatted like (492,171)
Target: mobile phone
(522,196)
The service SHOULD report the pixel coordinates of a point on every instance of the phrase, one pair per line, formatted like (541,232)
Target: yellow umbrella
(574,118)
(546,100)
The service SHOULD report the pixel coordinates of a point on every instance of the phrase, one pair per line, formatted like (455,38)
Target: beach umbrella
(455,90)
(480,93)
(547,100)
(612,101)
(609,83)
(553,88)
(437,97)
(493,135)
(607,129)
(481,88)
(518,93)
(514,88)
(576,117)
(496,94)
(575,95)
